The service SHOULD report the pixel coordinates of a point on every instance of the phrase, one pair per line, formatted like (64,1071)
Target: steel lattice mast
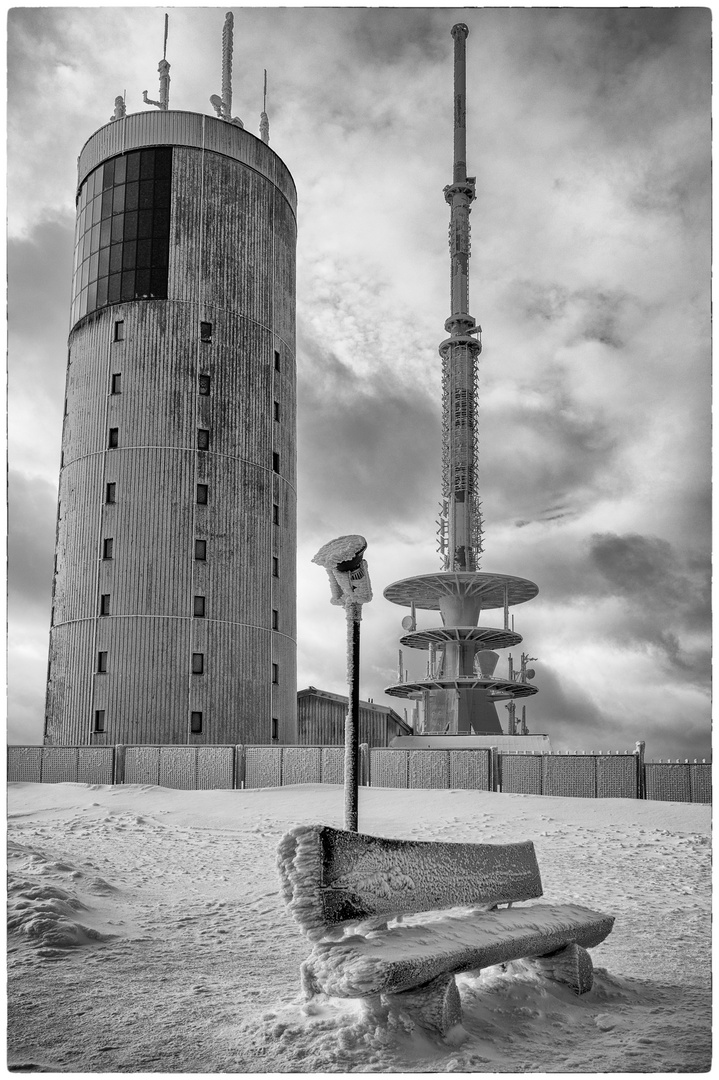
(460,688)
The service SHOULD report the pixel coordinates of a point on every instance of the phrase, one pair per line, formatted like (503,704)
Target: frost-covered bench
(377,913)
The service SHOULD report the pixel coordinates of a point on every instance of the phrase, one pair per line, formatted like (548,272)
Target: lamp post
(350,588)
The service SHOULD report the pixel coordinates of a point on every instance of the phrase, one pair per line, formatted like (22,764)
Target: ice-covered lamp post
(350,587)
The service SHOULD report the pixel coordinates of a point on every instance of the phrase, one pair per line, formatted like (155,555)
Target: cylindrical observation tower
(173,614)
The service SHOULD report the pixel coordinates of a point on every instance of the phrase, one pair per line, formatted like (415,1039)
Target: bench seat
(401,957)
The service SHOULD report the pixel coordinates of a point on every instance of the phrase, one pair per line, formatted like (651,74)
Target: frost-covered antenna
(264,119)
(164,70)
(223,105)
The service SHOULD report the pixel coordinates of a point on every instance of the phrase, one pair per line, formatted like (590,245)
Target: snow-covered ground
(148,935)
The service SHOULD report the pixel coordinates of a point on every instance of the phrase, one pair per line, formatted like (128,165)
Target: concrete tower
(460,689)
(173,615)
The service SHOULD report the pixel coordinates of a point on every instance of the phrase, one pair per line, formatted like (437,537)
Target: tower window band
(203,439)
(102,663)
(107,547)
(123,232)
(99,721)
(206,332)
(110,491)
(105,604)
(198,607)
(204,381)
(113,440)
(198,663)
(196,723)
(116,386)
(120,330)
(201,550)
(202,494)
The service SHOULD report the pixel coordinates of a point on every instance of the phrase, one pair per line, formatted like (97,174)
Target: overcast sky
(589,135)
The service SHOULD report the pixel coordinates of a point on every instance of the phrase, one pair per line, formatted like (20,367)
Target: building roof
(342,699)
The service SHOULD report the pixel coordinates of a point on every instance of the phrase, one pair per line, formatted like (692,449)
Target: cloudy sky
(588,132)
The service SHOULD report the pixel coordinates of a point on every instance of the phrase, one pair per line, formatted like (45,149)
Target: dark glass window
(206,331)
(275,566)
(107,547)
(196,723)
(277,410)
(202,494)
(203,439)
(123,231)
(275,728)
(277,360)
(114,438)
(110,491)
(275,462)
(275,619)
(105,604)
(275,673)
(205,385)
(275,514)
(201,550)
(116,387)
(99,724)
(198,663)
(199,607)
(102,662)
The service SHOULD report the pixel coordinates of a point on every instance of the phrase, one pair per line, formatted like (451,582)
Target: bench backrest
(329,876)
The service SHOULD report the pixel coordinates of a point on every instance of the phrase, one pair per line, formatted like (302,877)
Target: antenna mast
(223,105)
(460,517)
(264,119)
(164,70)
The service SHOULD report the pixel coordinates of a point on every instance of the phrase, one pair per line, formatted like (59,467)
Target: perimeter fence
(620,775)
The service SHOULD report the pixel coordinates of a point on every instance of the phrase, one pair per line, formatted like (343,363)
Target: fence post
(364,777)
(239,769)
(641,771)
(119,766)
(494,768)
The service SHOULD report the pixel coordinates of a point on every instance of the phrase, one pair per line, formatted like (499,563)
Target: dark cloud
(368,446)
(590,314)
(31,542)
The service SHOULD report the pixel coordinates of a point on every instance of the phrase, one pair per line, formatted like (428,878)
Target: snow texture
(200,974)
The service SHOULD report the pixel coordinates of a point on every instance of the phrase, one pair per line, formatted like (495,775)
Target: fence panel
(24,764)
(59,764)
(95,764)
(569,775)
(667,782)
(617,777)
(142,765)
(700,782)
(301,765)
(215,767)
(469,769)
(388,768)
(263,766)
(428,769)
(178,767)
(521,774)
(333,765)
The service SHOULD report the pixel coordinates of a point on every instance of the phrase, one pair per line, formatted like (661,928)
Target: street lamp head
(346,569)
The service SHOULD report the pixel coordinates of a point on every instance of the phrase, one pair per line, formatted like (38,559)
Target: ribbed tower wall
(205,446)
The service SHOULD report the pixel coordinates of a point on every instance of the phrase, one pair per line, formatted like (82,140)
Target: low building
(321,720)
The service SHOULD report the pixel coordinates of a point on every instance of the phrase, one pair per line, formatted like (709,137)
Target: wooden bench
(344,889)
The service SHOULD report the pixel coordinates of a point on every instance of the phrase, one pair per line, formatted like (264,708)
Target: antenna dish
(530,673)
(408,623)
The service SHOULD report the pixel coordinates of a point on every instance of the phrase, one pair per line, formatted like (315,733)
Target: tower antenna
(223,105)
(264,119)
(164,70)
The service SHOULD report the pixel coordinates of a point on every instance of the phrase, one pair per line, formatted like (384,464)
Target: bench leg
(571,965)
(435,1006)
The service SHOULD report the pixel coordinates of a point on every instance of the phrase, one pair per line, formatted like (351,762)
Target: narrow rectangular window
(275,673)
(198,663)
(205,385)
(206,332)
(102,662)
(116,383)
(198,607)
(99,724)
(202,494)
(203,439)
(277,410)
(275,513)
(275,462)
(105,604)
(120,330)
(114,438)
(201,550)
(275,566)
(107,547)
(275,619)
(277,360)
(196,723)
(275,729)
(110,490)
